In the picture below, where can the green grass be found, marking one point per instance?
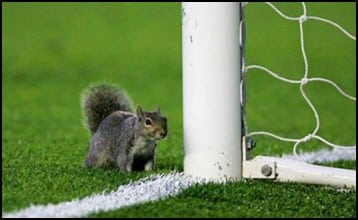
(52, 51)
(247, 199)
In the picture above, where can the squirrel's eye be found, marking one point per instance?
(148, 121)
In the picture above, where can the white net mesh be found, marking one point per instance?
(303, 82)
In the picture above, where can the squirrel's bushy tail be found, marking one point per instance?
(100, 100)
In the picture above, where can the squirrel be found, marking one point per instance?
(120, 137)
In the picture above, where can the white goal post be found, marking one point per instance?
(215, 138)
(211, 80)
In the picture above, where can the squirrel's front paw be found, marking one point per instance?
(149, 166)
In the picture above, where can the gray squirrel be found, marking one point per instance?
(120, 137)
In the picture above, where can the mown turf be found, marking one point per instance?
(52, 51)
(247, 199)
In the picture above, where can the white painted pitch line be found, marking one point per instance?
(148, 189)
(324, 156)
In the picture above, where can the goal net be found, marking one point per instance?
(325, 88)
(303, 82)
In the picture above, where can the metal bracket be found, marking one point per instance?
(250, 168)
(256, 168)
(259, 169)
(242, 82)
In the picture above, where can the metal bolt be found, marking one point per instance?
(250, 143)
(266, 170)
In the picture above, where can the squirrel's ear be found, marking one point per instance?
(140, 113)
(157, 109)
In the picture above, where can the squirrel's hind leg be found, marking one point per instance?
(102, 160)
(124, 163)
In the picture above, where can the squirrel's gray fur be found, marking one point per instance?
(120, 137)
